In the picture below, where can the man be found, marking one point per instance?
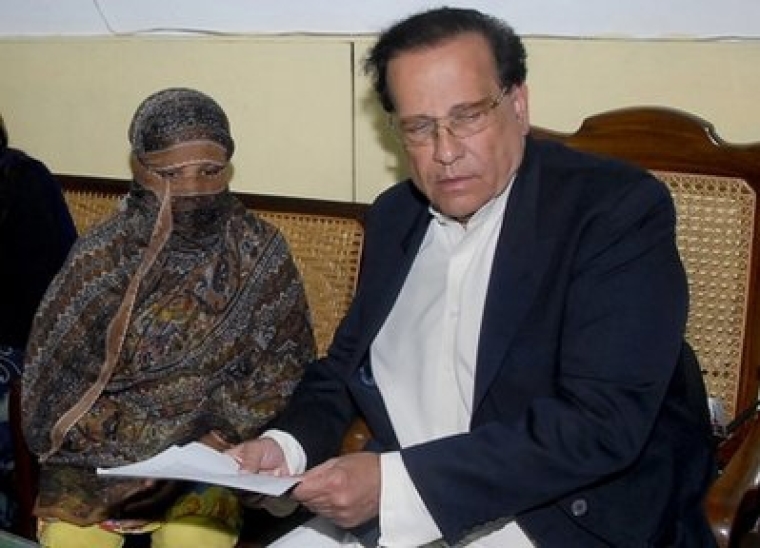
(516, 341)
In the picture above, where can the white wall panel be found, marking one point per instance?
(584, 18)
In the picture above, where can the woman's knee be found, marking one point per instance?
(60, 534)
(194, 531)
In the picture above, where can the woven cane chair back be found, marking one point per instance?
(327, 251)
(716, 224)
(89, 208)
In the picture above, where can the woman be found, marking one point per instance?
(180, 318)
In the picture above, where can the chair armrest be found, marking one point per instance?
(740, 478)
(356, 438)
(25, 464)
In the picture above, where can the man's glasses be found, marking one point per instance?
(464, 121)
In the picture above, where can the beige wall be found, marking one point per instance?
(303, 116)
(70, 101)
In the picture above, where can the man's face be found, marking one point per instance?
(454, 79)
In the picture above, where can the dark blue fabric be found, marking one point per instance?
(36, 233)
(11, 360)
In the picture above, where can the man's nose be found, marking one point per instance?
(447, 148)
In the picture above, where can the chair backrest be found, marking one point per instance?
(327, 249)
(715, 189)
(325, 238)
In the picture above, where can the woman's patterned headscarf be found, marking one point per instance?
(178, 115)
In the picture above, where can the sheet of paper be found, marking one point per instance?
(198, 462)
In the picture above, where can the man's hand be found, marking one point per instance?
(345, 490)
(262, 455)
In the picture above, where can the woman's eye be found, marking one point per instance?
(212, 171)
(168, 174)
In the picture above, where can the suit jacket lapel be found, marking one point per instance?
(518, 266)
(395, 269)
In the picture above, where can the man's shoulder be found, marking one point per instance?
(400, 200)
(395, 213)
(402, 191)
(561, 158)
(570, 170)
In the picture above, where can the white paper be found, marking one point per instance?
(198, 462)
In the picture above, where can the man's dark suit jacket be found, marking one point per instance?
(590, 422)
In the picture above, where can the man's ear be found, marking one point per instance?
(520, 106)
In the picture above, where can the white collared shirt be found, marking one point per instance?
(424, 360)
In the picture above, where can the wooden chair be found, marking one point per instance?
(24, 469)
(325, 238)
(715, 188)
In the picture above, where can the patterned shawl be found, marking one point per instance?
(215, 339)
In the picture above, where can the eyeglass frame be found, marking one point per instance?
(482, 108)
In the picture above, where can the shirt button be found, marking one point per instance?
(579, 507)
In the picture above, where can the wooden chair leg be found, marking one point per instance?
(25, 468)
